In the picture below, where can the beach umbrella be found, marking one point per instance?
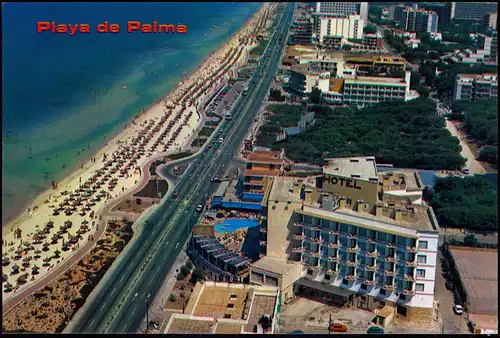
(15, 267)
(68, 224)
(46, 259)
(38, 251)
(50, 224)
(8, 285)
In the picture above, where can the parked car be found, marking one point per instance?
(375, 330)
(337, 327)
(458, 309)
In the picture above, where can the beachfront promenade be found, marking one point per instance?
(86, 197)
(141, 270)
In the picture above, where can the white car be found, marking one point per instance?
(199, 208)
(221, 140)
(458, 309)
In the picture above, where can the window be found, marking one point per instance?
(402, 296)
(419, 287)
(422, 244)
(348, 201)
(327, 277)
(421, 273)
(345, 281)
(309, 272)
(382, 291)
(363, 287)
(421, 259)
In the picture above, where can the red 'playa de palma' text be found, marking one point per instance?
(106, 27)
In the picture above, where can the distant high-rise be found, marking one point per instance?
(344, 8)
(414, 19)
(472, 11)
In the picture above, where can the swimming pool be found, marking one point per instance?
(234, 224)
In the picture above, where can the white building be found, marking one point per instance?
(359, 237)
(350, 27)
(344, 8)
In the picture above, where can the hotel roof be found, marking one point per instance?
(361, 168)
(276, 265)
(377, 80)
(262, 156)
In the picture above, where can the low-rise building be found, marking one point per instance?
(351, 235)
(412, 43)
(259, 165)
(223, 308)
(472, 87)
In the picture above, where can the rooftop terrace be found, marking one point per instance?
(361, 168)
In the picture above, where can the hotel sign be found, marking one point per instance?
(343, 182)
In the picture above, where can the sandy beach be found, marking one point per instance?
(64, 217)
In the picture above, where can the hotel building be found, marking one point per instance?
(351, 235)
(473, 87)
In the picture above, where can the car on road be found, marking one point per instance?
(221, 140)
(221, 130)
(215, 179)
(458, 309)
(466, 171)
(338, 327)
(199, 208)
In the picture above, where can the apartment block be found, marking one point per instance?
(472, 11)
(473, 87)
(351, 235)
(344, 8)
(259, 165)
(332, 25)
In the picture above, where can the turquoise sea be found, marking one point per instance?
(63, 93)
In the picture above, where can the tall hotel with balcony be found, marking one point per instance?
(351, 235)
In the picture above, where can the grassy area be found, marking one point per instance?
(206, 131)
(405, 134)
(259, 50)
(199, 142)
(179, 155)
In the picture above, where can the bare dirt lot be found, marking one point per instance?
(130, 205)
(50, 308)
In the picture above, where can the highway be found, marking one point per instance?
(121, 302)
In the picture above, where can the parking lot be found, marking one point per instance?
(225, 100)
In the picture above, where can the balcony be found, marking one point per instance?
(299, 237)
(370, 267)
(389, 273)
(312, 267)
(332, 272)
(350, 277)
(409, 292)
(389, 287)
(333, 232)
(313, 239)
(298, 249)
(370, 240)
(333, 259)
(351, 263)
(333, 245)
(312, 253)
(390, 259)
(263, 230)
(352, 236)
(297, 224)
(370, 282)
(371, 254)
(353, 249)
(263, 243)
(411, 249)
(412, 263)
(409, 278)
(390, 245)
(313, 227)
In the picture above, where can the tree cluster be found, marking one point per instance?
(405, 134)
(481, 121)
(469, 202)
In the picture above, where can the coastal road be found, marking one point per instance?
(122, 297)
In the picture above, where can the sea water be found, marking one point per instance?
(67, 94)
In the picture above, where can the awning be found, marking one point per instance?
(325, 287)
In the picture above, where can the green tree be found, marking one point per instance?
(489, 154)
(370, 29)
(471, 240)
(189, 265)
(197, 275)
(414, 80)
(316, 95)
(185, 270)
(180, 276)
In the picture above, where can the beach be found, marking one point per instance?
(65, 216)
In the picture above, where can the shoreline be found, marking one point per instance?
(139, 144)
(18, 217)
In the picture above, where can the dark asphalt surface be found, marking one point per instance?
(121, 301)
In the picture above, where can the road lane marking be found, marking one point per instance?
(151, 281)
(146, 242)
(124, 327)
(133, 311)
(92, 322)
(114, 289)
(102, 307)
(122, 278)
